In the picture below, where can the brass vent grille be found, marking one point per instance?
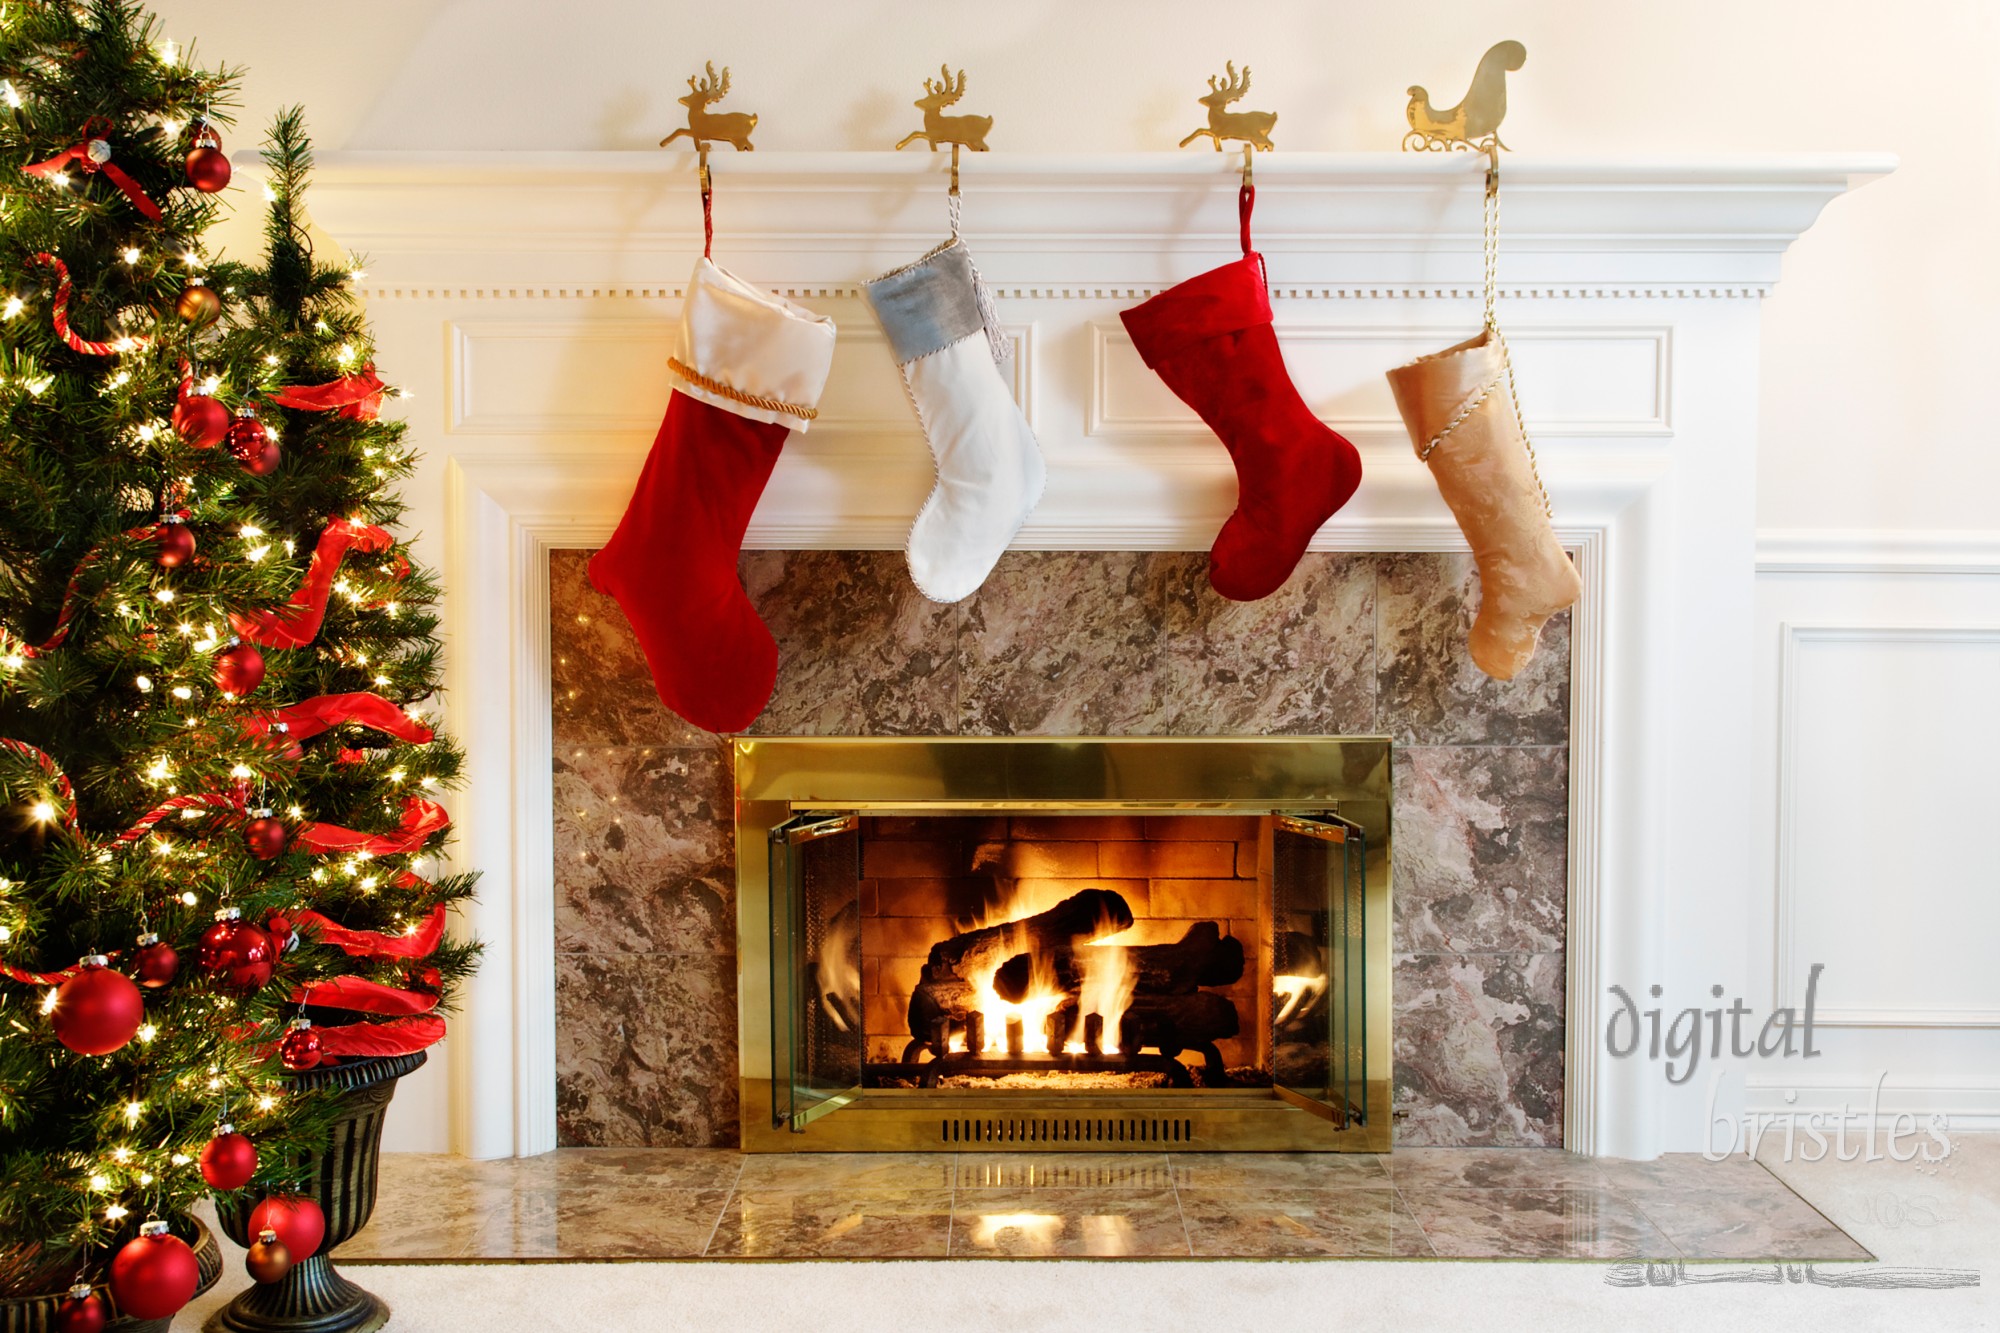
(1067, 1129)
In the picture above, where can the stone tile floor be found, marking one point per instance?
(602, 1203)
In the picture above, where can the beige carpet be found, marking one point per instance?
(1918, 1222)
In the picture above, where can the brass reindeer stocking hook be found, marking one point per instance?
(1251, 128)
(958, 131)
(705, 126)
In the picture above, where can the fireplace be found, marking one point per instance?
(1064, 944)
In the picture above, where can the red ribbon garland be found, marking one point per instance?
(420, 943)
(283, 728)
(92, 154)
(363, 996)
(291, 626)
(421, 818)
(60, 317)
(398, 1036)
(296, 624)
(357, 396)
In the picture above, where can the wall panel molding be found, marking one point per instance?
(1854, 822)
(1877, 551)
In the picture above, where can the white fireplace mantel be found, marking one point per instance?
(528, 301)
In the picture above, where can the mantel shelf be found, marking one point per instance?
(1328, 220)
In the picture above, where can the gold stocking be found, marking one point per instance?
(1458, 406)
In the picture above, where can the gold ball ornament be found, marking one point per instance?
(268, 1260)
(198, 304)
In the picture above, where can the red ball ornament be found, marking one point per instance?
(297, 1220)
(299, 1049)
(208, 170)
(267, 459)
(155, 1274)
(229, 1159)
(247, 436)
(239, 668)
(268, 1260)
(155, 962)
(201, 421)
(207, 166)
(175, 541)
(97, 1010)
(198, 303)
(265, 836)
(238, 954)
(82, 1311)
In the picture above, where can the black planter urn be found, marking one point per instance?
(37, 1314)
(313, 1297)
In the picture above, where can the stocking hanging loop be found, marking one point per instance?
(705, 127)
(707, 206)
(1490, 255)
(1246, 203)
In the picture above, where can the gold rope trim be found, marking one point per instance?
(735, 395)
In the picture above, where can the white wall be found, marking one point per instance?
(1876, 433)
(1876, 411)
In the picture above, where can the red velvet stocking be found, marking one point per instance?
(671, 565)
(1210, 340)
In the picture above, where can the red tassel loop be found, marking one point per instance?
(60, 317)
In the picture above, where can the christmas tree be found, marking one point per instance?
(217, 778)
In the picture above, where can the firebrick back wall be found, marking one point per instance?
(1068, 643)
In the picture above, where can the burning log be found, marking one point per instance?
(1171, 1023)
(1089, 915)
(1202, 957)
(938, 1008)
(1174, 1023)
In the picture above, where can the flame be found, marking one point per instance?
(1107, 988)
(1298, 993)
(1033, 1012)
(1107, 982)
(837, 978)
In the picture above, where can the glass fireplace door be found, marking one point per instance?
(1319, 1030)
(817, 1034)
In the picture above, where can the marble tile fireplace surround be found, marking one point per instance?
(1066, 643)
(528, 301)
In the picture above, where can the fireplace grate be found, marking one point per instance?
(1067, 1129)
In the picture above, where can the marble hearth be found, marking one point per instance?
(1068, 643)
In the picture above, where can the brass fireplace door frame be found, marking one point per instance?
(777, 777)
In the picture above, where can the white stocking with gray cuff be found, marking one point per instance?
(989, 469)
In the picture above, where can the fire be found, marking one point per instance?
(1107, 988)
(1298, 993)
